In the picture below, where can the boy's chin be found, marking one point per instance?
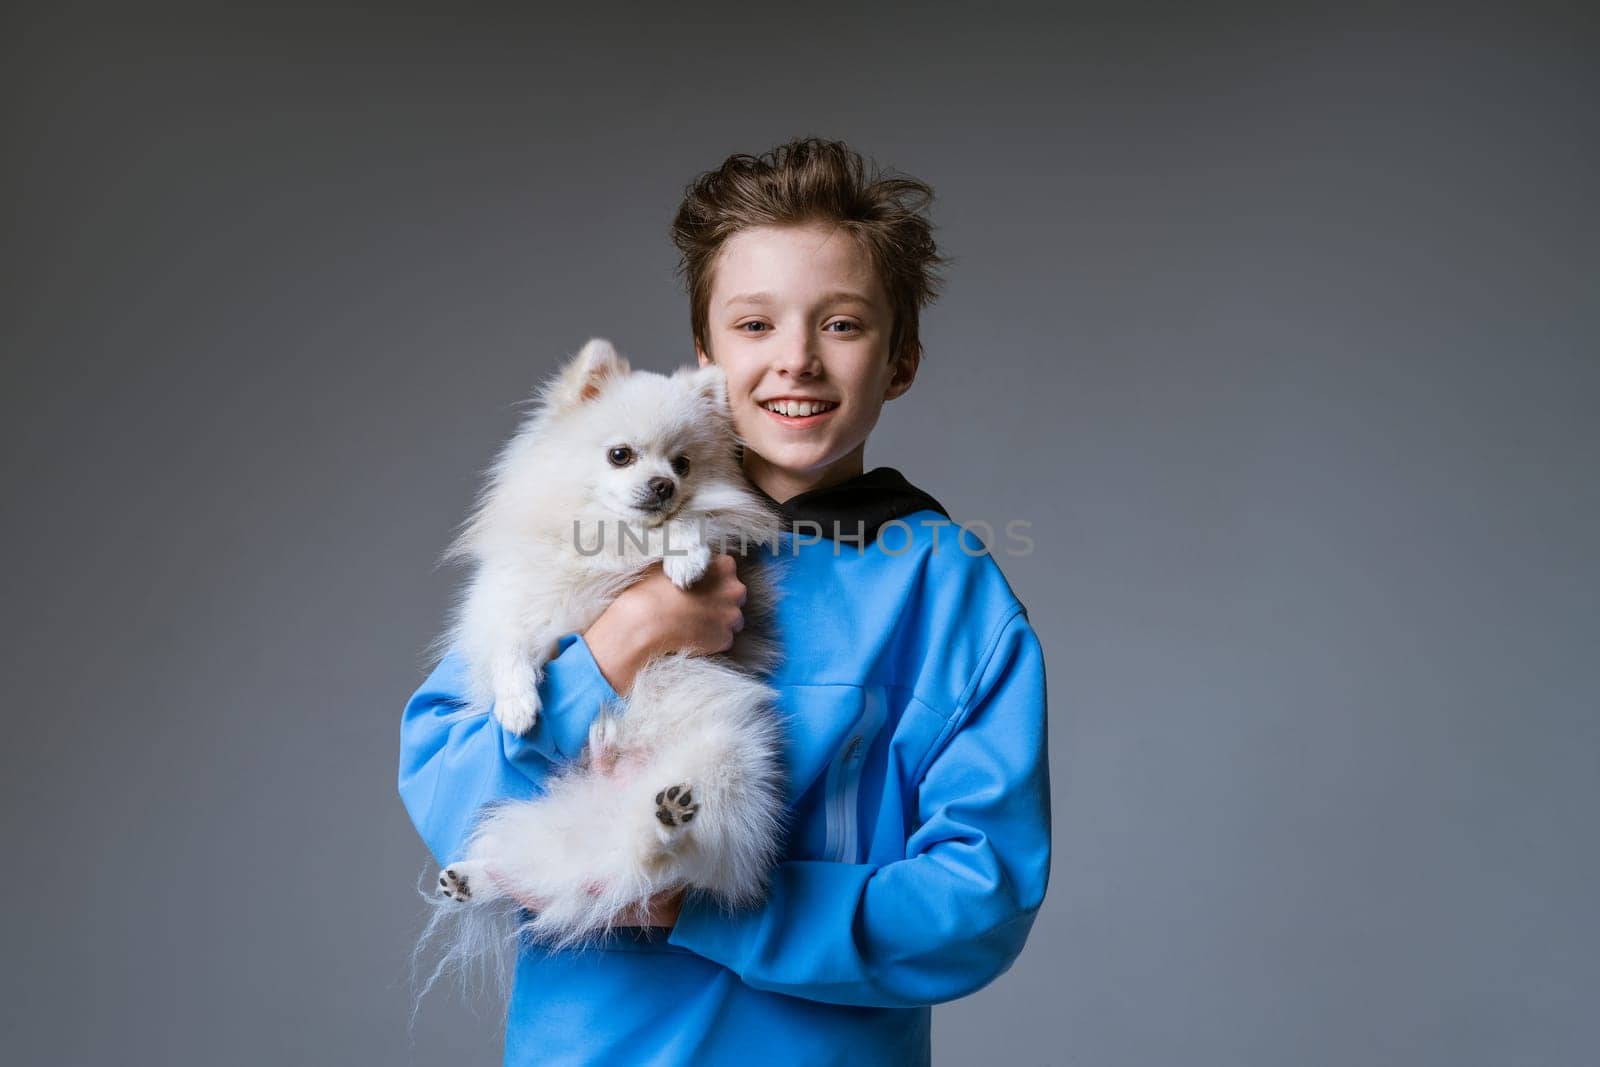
(794, 456)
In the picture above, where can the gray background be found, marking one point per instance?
(1279, 328)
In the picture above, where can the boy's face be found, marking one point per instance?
(798, 313)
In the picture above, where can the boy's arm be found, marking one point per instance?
(950, 917)
(452, 763)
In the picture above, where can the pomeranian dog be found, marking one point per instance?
(681, 786)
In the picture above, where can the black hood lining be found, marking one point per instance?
(859, 507)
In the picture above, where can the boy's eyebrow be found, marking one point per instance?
(828, 298)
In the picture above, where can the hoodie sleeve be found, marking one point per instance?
(953, 914)
(452, 763)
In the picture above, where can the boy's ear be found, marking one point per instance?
(904, 373)
(708, 381)
(587, 374)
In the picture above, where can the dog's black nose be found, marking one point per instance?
(662, 488)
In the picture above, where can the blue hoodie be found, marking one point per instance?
(913, 696)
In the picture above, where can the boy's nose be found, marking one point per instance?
(799, 360)
(662, 488)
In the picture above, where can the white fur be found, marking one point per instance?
(592, 848)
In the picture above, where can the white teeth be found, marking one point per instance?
(798, 408)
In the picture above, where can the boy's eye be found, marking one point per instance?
(848, 326)
(620, 456)
(680, 466)
(743, 326)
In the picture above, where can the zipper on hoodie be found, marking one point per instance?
(844, 779)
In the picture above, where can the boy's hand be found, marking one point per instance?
(653, 616)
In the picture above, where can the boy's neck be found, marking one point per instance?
(782, 485)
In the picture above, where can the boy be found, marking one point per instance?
(912, 688)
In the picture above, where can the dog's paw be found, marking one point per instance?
(675, 806)
(453, 884)
(686, 568)
(518, 711)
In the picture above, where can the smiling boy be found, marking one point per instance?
(801, 325)
(912, 687)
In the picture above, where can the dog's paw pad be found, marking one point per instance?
(675, 806)
(453, 884)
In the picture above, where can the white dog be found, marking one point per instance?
(613, 470)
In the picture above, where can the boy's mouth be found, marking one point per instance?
(799, 412)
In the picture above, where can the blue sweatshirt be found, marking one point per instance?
(913, 697)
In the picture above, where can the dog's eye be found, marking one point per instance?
(620, 456)
(680, 466)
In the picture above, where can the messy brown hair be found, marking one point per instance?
(813, 180)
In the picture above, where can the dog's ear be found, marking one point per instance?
(587, 374)
(708, 382)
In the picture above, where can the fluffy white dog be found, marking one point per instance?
(682, 786)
